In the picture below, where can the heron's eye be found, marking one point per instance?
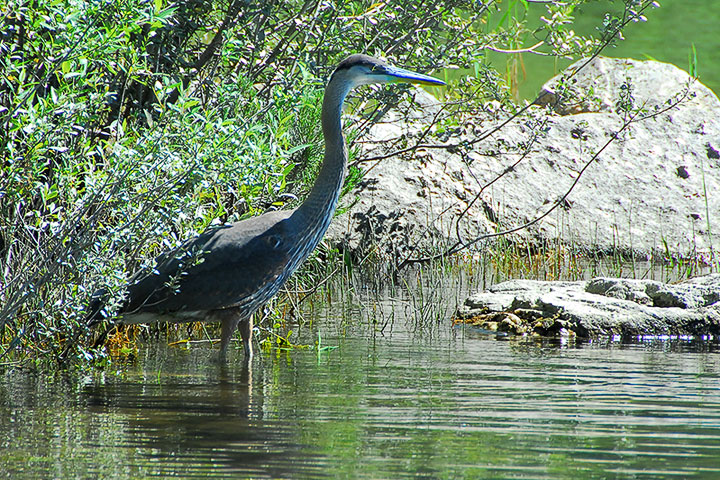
(274, 240)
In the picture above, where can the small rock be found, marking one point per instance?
(712, 152)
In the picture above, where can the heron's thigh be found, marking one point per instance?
(230, 317)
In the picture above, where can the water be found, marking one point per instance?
(669, 35)
(421, 399)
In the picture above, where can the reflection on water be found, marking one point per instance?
(205, 422)
(427, 401)
(180, 414)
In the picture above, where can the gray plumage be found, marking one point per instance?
(228, 272)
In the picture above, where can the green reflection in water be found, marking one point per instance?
(439, 403)
(420, 399)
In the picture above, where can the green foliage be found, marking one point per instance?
(128, 127)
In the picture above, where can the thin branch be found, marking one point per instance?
(520, 50)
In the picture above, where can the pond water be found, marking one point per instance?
(671, 33)
(404, 394)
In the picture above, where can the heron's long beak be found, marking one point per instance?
(406, 76)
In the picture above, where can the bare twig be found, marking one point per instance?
(460, 245)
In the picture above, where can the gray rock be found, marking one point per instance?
(648, 193)
(594, 86)
(599, 307)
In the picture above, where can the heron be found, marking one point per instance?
(228, 272)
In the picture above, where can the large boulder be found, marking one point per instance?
(651, 190)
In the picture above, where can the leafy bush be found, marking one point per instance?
(127, 127)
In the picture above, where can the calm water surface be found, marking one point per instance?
(419, 400)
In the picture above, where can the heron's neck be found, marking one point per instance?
(320, 204)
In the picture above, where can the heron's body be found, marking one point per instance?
(227, 273)
(219, 269)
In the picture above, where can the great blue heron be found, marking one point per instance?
(227, 273)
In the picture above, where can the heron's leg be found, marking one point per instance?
(230, 321)
(246, 327)
(231, 318)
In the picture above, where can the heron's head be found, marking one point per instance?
(363, 70)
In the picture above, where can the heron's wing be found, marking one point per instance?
(223, 267)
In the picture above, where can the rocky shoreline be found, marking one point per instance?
(601, 307)
(645, 190)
